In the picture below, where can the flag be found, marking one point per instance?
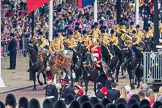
(34, 4)
(84, 3)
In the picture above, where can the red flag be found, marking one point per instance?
(79, 3)
(34, 4)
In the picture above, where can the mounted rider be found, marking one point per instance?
(95, 49)
(56, 44)
(87, 40)
(139, 32)
(43, 41)
(126, 38)
(137, 45)
(77, 35)
(70, 42)
(104, 38)
(95, 32)
(131, 27)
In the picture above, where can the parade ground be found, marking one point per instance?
(17, 81)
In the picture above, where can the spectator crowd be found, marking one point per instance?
(124, 98)
(16, 20)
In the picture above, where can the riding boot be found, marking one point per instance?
(132, 84)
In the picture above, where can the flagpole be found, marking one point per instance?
(137, 12)
(95, 11)
(1, 80)
(50, 20)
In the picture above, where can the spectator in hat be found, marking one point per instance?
(13, 50)
(113, 94)
(51, 91)
(10, 101)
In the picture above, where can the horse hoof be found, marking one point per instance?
(34, 89)
(132, 87)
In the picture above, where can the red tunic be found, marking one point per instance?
(96, 50)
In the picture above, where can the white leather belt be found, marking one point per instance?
(49, 97)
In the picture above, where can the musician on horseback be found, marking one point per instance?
(95, 49)
(131, 27)
(139, 32)
(137, 45)
(60, 36)
(95, 32)
(104, 38)
(56, 44)
(77, 35)
(87, 41)
(126, 38)
(42, 42)
(70, 42)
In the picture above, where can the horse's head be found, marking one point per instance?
(88, 58)
(81, 49)
(126, 52)
(29, 49)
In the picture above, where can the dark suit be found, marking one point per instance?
(51, 92)
(113, 94)
(12, 49)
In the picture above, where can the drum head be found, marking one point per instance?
(67, 53)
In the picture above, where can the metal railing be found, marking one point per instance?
(152, 67)
(21, 46)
